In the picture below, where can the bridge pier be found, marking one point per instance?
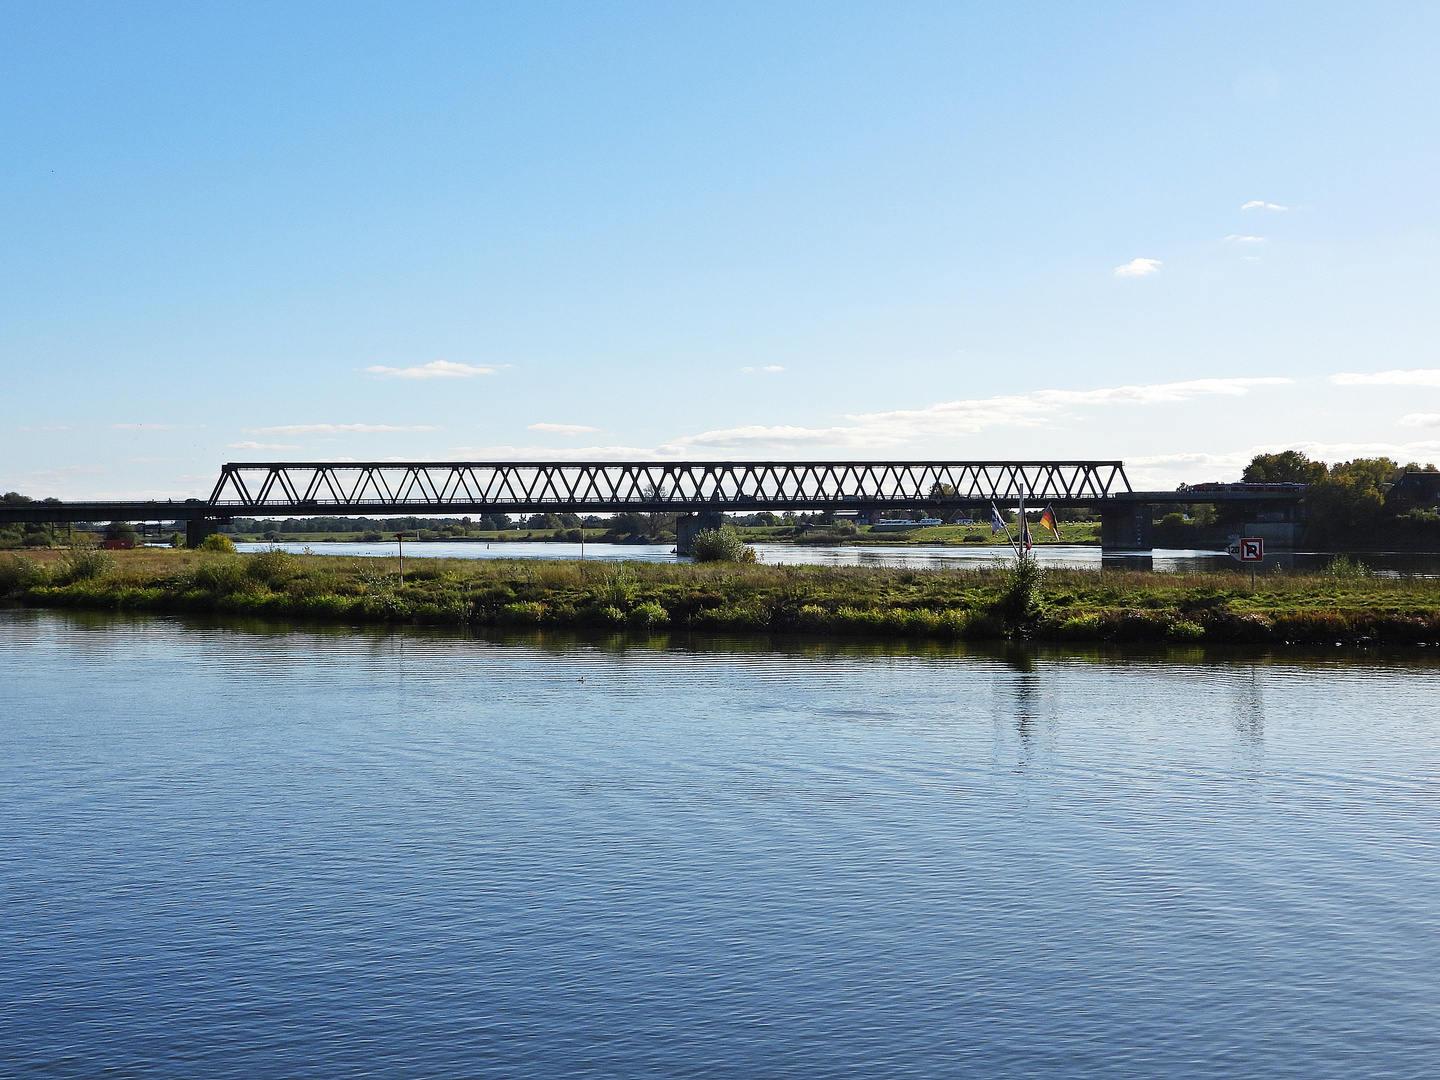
(687, 526)
(198, 528)
(1126, 526)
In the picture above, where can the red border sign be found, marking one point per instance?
(1252, 549)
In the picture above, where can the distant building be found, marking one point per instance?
(1417, 489)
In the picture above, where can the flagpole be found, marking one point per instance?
(995, 516)
(1024, 524)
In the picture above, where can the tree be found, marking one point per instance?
(120, 530)
(628, 523)
(721, 545)
(1286, 467)
(1351, 497)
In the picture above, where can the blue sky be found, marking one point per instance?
(1168, 234)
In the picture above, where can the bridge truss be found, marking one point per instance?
(652, 487)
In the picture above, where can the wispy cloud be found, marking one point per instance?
(1138, 268)
(1261, 204)
(50, 427)
(1421, 419)
(1237, 238)
(334, 429)
(1394, 377)
(769, 369)
(436, 369)
(562, 429)
(550, 453)
(142, 427)
(951, 419)
(261, 446)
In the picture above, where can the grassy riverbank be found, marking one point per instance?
(1061, 605)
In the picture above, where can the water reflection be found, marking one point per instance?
(1247, 700)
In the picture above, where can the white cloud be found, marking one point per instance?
(757, 437)
(550, 453)
(51, 427)
(769, 368)
(334, 429)
(1261, 204)
(772, 367)
(562, 429)
(260, 446)
(1158, 393)
(1421, 419)
(1138, 268)
(952, 419)
(1395, 377)
(1237, 238)
(436, 369)
(142, 427)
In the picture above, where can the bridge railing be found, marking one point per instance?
(655, 486)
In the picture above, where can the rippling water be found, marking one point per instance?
(233, 852)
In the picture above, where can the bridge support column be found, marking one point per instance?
(690, 524)
(199, 528)
(1126, 527)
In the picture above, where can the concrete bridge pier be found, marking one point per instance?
(1126, 526)
(197, 529)
(690, 524)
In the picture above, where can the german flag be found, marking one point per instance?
(1047, 519)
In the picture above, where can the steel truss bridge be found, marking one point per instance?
(701, 490)
(652, 487)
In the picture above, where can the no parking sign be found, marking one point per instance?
(1252, 549)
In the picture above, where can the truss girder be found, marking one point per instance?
(609, 487)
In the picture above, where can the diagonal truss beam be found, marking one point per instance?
(655, 487)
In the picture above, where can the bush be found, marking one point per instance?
(18, 573)
(1020, 597)
(1342, 566)
(272, 566)
(648, 615)
(526, 612)
(217, 542)
(83, 565)
(721, 545)
(222, 578)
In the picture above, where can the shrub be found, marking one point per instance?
(812, 617)
(18, 573)
(272, 566)
(83, 565)
(1019, 598)
(648, 615)
(721, 545)
(222, 578)
(1342, 566)
(217, 542)
(527, 612)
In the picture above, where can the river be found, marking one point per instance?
(916, 557)
(239, 850)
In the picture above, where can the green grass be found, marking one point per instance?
(1066, 605)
